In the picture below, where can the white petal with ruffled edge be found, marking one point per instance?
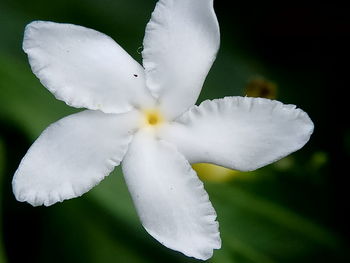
(239, 132)
(85, 68)
(72, 155)
(170, 199)
(180, 45)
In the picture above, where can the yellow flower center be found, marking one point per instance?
(152, 117)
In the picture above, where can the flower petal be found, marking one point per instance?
(170, 199)
(84, 68)
(73, 155)
(239, 132)
(180, 45)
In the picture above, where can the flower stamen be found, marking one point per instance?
(153, 117)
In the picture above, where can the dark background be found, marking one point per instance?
(291, 211)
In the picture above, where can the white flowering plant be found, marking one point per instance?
(145, 118)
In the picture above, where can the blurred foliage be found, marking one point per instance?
(260, 87)
(2, 161)
(284, 212)
(213, 173)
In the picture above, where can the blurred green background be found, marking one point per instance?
(290, 211)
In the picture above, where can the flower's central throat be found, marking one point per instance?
(152, 117)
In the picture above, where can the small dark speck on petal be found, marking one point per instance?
(135, 75)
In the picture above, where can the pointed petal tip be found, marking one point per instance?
(39, 198)
(200, 252)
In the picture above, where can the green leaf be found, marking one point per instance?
(2, 165)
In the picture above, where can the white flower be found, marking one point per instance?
(145, 118)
